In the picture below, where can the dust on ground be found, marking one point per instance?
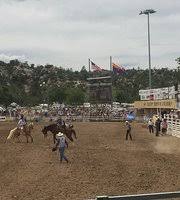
(102, 162)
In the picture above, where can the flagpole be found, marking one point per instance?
(89, 62)
(110, 63)
(111, 80)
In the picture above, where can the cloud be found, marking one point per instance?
(69, 32)
(7, 58)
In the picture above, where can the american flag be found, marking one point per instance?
(96, 68)
(117, 69)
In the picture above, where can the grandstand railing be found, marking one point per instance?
(74, 118)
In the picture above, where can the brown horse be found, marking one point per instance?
(54, 129)
(26, 131)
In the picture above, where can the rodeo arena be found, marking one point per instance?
(99, 150)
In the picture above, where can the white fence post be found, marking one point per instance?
(173, 126)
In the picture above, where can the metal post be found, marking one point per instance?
(89, 62)
(150, 196)
(148, 12)
(149, 52)
(110, 63)
(111, 79)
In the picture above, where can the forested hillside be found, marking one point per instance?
(30, 85)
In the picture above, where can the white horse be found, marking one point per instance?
(26, 131)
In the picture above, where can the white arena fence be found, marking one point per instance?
(173, 125)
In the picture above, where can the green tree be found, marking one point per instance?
(84, 73)
(5, 96)
(56, 94)
(178, 61)
(75, 96)
(66, 85)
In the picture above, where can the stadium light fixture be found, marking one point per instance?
(148, 12)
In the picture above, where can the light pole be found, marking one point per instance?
(42, 85)
(148, 12)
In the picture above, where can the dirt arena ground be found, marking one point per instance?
(101, 163)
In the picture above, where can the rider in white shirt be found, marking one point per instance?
(22, 122)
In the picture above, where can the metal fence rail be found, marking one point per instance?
(79, 118)
(163, 195)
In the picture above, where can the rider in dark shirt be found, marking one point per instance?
(61, 123)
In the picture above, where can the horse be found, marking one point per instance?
(26, 131)
(54, 129)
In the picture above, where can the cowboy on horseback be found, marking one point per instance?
(68, 121)
(61, 123)
(22, 123)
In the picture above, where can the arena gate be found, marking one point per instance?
(173, 125)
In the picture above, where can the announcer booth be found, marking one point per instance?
(100, 90)
(158, 101)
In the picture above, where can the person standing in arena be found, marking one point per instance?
(158, 126)
(128, 130)
(150, 126)
(164, 126)
(61, 143)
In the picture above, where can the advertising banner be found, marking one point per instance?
(171, 104)
(158, 94)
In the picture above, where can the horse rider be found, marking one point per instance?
(22, 123)
(68, 119)
(61, 143)
(61, 123)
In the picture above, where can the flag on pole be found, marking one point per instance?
(117, 69)
(95, 68)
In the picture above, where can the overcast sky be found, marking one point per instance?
(68, 32)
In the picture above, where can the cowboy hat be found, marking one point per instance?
(60, 134)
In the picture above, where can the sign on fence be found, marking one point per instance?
(156, 104)
(2, 118)
(158, 94)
